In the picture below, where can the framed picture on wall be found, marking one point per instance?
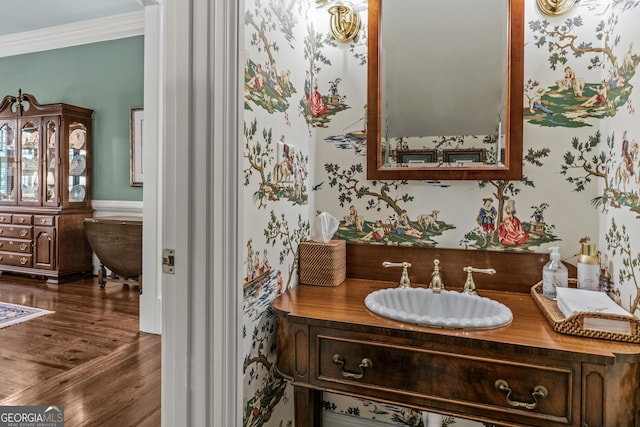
(136, 121)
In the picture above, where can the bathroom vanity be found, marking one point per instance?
(522, 374)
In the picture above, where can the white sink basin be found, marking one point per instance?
(448, 309)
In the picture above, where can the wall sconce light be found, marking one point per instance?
(555, 7)
(345, 21)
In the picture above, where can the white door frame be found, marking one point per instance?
(151, 298)
(201, 380)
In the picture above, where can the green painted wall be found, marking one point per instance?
(106, 77)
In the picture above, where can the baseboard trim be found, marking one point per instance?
(336, 419)
(116, 207)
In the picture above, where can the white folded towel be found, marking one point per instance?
(571, 300)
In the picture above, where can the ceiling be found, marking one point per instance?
(28, 15)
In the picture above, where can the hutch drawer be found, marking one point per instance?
(17, 245)
(17, 231)
(18, 260)
(5, 218)
(22, 219)
(43, 220)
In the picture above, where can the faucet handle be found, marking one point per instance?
(404, 279)
(469, 285)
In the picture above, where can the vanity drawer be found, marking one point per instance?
(22, 219)
(11, 245)
(454, 383)
(477, 381)
(17, 231)
(20, 260)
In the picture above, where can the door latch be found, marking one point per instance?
(168, 261)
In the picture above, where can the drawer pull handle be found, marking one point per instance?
(23, 247)
(21, 220)
(23, 260)
(43, 221)
(365, 363)
(538, 392)
(23, 233)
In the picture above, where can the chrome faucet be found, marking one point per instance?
(469, 285)
(436, 281)
(404, 279)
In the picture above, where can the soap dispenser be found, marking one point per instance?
(554, 274)
(588, 266)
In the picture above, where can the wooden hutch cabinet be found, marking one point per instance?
(45, 188)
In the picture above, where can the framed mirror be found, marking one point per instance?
(445, 89)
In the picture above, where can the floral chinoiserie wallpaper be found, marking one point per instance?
(304, 152)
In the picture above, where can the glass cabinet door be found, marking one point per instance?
(7, 162)
(77, 162)
(29, 162)
(51, 163)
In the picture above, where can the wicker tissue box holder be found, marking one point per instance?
(323, 264)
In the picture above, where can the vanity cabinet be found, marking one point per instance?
(523, 374)
(45, 187)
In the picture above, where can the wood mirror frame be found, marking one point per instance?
(512, 169)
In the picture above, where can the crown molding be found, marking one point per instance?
(74, 34)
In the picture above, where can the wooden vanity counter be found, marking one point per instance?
(326, 333)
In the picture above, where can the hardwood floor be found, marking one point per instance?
(88, 356)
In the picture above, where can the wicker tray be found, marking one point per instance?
(574, 324)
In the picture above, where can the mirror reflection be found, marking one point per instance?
(440, 102)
